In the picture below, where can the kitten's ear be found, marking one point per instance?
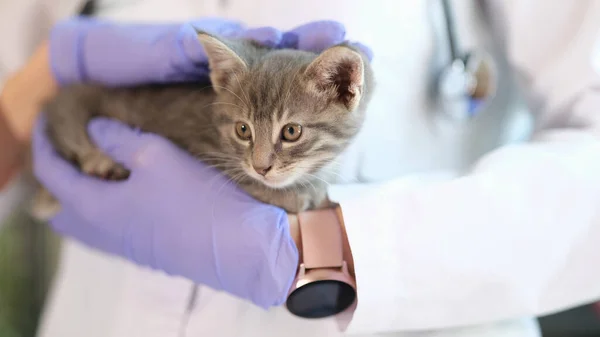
(223, 62)
(338, 73)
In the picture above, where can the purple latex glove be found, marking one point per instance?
(173, 213)
(84, 49)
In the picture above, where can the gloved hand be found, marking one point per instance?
(84, 49)
(173, 213)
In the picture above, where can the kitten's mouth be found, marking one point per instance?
(271, 179)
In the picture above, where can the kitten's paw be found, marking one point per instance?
(98, 164)
(44, 206)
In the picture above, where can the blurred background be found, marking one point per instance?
(28, 256)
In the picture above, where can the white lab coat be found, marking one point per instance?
(454, 228)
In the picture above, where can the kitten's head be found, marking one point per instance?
(289, 113)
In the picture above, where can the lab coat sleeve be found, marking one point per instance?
(520, 234)
(24, 24)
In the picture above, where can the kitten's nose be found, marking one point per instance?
(262, 170)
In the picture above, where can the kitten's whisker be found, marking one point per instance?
(225, 103)
(291, 85)
(343, 178)
(214, 156)
(218, 153)
(204, 156)
(237, 171)
(229, 180)
(209, 86)
(219, 163)
(328, 172)
(231, 171)
(234, 94)
(311, 184)
(242, 89)
(289, 88)
(333, 161)
(317, 177)
(207, 126)
(211, 125)
(238, 178)
(221, 167)
(300, 182)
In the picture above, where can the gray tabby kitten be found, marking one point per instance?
(274, 120)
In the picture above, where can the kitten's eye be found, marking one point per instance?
(291, 132)
(243, 131)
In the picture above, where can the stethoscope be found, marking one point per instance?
(468, 83)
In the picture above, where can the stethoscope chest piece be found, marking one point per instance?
(467, 85)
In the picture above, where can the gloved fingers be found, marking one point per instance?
(364, 49)
(119, 141)
(67, 223)
(218, 26)
(72, 224)
(314, 36)
(132, 53)
(267, 36)
(194, 52)
(60, 224)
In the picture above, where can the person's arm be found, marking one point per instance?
(519, 235)
(20, 99)
(10, 151)
(24, 25)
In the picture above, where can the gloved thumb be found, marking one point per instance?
(118, 140)
(364, 49)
